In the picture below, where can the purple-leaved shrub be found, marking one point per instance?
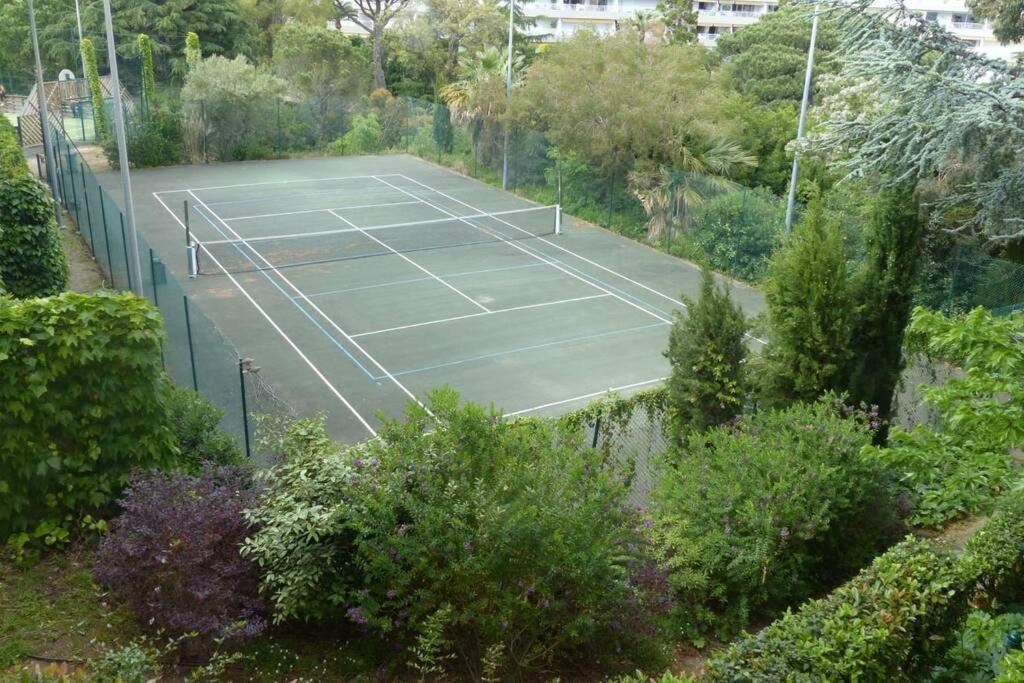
(173, 555)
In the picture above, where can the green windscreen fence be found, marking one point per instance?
(195, 353)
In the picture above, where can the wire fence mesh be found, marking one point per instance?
(196, 354)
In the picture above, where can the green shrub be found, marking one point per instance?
(461, 536)
(443, 132)
(980, 647)
(156, 141)
(81, 385)
(363, 138)
(887, 623)
(195, 425)
(994, 555)
(12, 161)
(32, 260)
(738, 231)
(707, 351)
(756, 516)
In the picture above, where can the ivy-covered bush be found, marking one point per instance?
(173, 555)
(12, 161)
(960, 466)
(81, 385)
(758, 515)
(887, 623)
(462, 536)
(195, 426)
(32, 260)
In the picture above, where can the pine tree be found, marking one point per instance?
(707, 352)
(883, 294)
(811, 313)
(444, 134)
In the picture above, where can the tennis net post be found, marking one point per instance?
(558, 219)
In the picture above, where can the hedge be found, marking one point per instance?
(12, 161)
(32, 259)
(82, 394)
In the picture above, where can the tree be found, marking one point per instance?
(321, 66)
(767, 59)
(674, 102)
(373, 16)
(680, 20)
(707, 352)
(145, 47)
(32, 260)
(883, 291)
(444, 134)
(193, 53)
(810, 311)
(479, 96)
(669, 195)
(92, 76)
(947, 115)
(1007, 17)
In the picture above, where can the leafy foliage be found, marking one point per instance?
(458, 527)
(12, 161)
(145, 48)
(81, 381)
(811, 311)
(738, 231)
(195, 425)
(878, 626)
(757, 516)
(706, 350)
(32, 260)
(363, 138)
(92, 76)
(444, 134)
(173, 555)
(958, 467)
(980, 647)
(158, 140)
(883, 291)
(1007, 16)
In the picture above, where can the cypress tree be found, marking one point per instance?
(707, 352)
(92, 76)
(444, 134)
(148, 79)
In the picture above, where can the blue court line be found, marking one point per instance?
(534, 347)
(423, 279)
(306, 313)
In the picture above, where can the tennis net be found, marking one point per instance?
(273, 252)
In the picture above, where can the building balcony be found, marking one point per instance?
(707, 38)
(732, 17)
(573, 11)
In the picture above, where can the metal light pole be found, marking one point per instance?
(81, 57)
(122, 155)
(803, 120)
(508, 96)
(44, 119)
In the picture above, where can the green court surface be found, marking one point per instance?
(357, 284)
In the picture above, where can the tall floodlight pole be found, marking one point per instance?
(508, 96)
(78, 17)
(44, 120)
(790, 205)
(122, 155)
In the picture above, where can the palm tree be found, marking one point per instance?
(668, 194)
(642, 22)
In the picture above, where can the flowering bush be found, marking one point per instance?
(757, 515)
(173, 555)
(460, 536)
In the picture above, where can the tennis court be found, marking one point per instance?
(360, 283)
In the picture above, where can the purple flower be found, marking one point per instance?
(392, 592)
(356, 615)
(544, 602)
(357, 463)
(468, 545)
(647, 523)
(784, 532)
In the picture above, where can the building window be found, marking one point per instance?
(931, 16)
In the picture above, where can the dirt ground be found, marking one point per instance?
(86, 275)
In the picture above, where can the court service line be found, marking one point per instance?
(413, 263)
(524, 349)
(568, 251)
(288, 340)
(316, 308)
(394, 283)
(536, 255)
(304, 211)
(278, 182)
(476, 315)
(583, 397)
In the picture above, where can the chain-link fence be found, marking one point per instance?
(196, 355)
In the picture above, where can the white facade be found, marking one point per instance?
(558, 19)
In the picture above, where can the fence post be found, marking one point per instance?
(152, 277)
(88, 211)
(278, 150)
(124, 246)
(106, 238)
(245, 407)
(611, 193)
(202, 109)
(597, 431)
(74, 191)
(17, 125)
(191, 349)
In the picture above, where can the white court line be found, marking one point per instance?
(333, 208)
(380, 226)
(476, 315)
(414, 264)
(316, 308)
(586, 396)
(281, 332)
(571, 252)
(278, 182)
(553, 264)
